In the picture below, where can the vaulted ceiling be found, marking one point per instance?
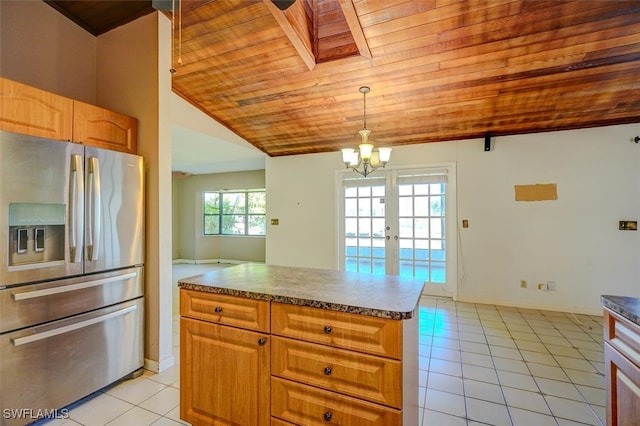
(287, 81)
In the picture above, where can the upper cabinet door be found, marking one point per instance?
(102, 128)
(27, 110)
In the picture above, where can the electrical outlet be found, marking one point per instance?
(523, 284)
(551, 285)
(543, 286)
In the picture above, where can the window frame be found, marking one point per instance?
(220, 215)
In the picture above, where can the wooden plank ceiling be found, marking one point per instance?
(439, 70)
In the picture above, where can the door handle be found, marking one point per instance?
(95, 208)
(76, 208)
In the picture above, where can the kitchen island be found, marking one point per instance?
(264, 344)
(622, 359)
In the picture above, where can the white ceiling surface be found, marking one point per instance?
(196, 153)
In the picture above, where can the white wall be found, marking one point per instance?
(42, 48)
(574, 241)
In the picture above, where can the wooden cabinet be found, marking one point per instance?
(342, 368)
(224, 370)
(102, 128)
(246, 361)
(28, 110)
(622, 369)
(309, 406)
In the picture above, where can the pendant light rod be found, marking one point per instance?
(364, 90)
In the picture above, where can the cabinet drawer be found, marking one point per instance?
(623, 335)
(306, 405)
(373, 378)
(241, 312)
(362, 333)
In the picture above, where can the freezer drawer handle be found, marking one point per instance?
(71, 327)
(73, 287)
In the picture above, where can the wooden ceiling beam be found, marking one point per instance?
(298, 35)
(353, 22)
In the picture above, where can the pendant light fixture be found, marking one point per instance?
(367, 159)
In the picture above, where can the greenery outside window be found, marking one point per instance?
(241, 212)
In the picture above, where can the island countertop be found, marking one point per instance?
(627, 307)
(383, 296)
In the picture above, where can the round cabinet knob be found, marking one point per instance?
(262, 341)
(218, 309)
(328, 371)
(328, 329)
(327, 416)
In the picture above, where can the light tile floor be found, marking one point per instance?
(479, 365)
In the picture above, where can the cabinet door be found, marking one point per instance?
(623, 388)
(224, 375)
(30, 111)
(102, 128)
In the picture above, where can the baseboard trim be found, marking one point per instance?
(159, 367)
(554, 308)
(208, 261)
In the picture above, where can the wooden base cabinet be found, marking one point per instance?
(225, 360)
(254, 362)
(225, 375)
(622, 369)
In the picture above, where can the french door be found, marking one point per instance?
(402, 222)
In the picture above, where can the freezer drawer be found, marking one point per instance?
(50, 366)
(27, 305)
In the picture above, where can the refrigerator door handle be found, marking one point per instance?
(73, 287)
(95, 209)
(71, 327)
(76, 207)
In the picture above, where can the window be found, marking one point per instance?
(235, 212)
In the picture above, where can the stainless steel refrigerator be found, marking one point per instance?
(71, 273)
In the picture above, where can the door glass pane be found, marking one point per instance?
(421, 249)
(405, 190)
(350, 206)
(421, 229)
(406, 248)
(364, 227)
(364, 206)
(437, 206)
(377, 227)
(377, 207)
(406, 227)
(405, 207)
(421, 206)
(365, 218)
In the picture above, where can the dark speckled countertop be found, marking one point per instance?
(384, 296)
(627, 307)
